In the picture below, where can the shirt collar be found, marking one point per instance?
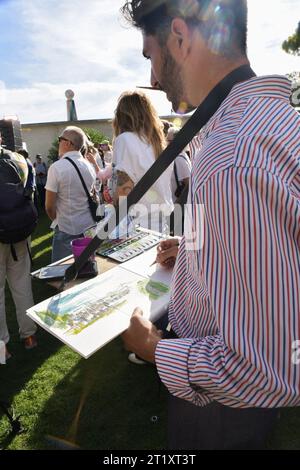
(73, 153)
(272, 86)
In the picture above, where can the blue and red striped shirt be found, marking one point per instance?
(235, 302)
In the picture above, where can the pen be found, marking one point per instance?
(165, 262)
(155, 261)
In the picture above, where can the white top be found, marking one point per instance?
(108, 156)
(72, 210)
(134, 156)
(99, 160)
(41, 172)
(183, 168)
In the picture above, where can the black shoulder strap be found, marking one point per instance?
(176, 175)
(80, 176)
(200, 117)
(185, 157)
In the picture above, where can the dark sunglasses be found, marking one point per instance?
(66, 140)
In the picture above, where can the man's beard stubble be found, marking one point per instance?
(172, 84)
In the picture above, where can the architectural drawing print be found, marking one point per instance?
(76, 317)
(75, 311)
(89, 315)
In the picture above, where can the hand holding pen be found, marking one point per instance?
(167, 252)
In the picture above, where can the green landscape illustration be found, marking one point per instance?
(76, 311)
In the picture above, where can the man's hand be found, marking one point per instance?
(167, 252)
(142, 336)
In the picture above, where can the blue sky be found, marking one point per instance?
(48, 46)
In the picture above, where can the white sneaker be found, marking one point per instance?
(135, 360)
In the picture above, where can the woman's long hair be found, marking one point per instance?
(135, 113)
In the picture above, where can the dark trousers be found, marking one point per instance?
(42, 194)
(217, 427)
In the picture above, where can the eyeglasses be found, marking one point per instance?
(66, 140)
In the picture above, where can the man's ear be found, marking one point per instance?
(180, 39)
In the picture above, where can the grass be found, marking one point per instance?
(103, 403)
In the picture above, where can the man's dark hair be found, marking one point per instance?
(223, 22)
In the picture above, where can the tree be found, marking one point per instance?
(295, 95)
(53, 152)
(292, 44)
(94, 135)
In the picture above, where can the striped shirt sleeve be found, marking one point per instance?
(249, 270)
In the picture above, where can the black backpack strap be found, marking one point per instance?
(80, 176)
(29, 253)
(176, 175)
(13, 252)
(200, 117)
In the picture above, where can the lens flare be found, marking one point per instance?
(183, 108)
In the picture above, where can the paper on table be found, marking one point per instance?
(143, 265)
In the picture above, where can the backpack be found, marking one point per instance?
(18, 215)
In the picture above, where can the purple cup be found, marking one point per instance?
(79, 244)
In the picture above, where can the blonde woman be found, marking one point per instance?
(139, 140)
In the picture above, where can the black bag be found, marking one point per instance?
(94, 202)
(93, 199)
(179, 184)
(18, 215)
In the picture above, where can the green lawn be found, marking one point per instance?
(104, 402)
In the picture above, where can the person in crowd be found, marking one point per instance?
(107, 151)
(96, 157)
(167, 125)
(234, 311)
(104, 173)
(41, 178)
(182, 169)
(30, 188)
(138, 142)
(66, 201)
(15, 263)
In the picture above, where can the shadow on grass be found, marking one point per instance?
(23, 364)
(104, 403)
(41, 248)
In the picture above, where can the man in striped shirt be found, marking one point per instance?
(235, 304)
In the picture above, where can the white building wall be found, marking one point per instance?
(40, 137)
